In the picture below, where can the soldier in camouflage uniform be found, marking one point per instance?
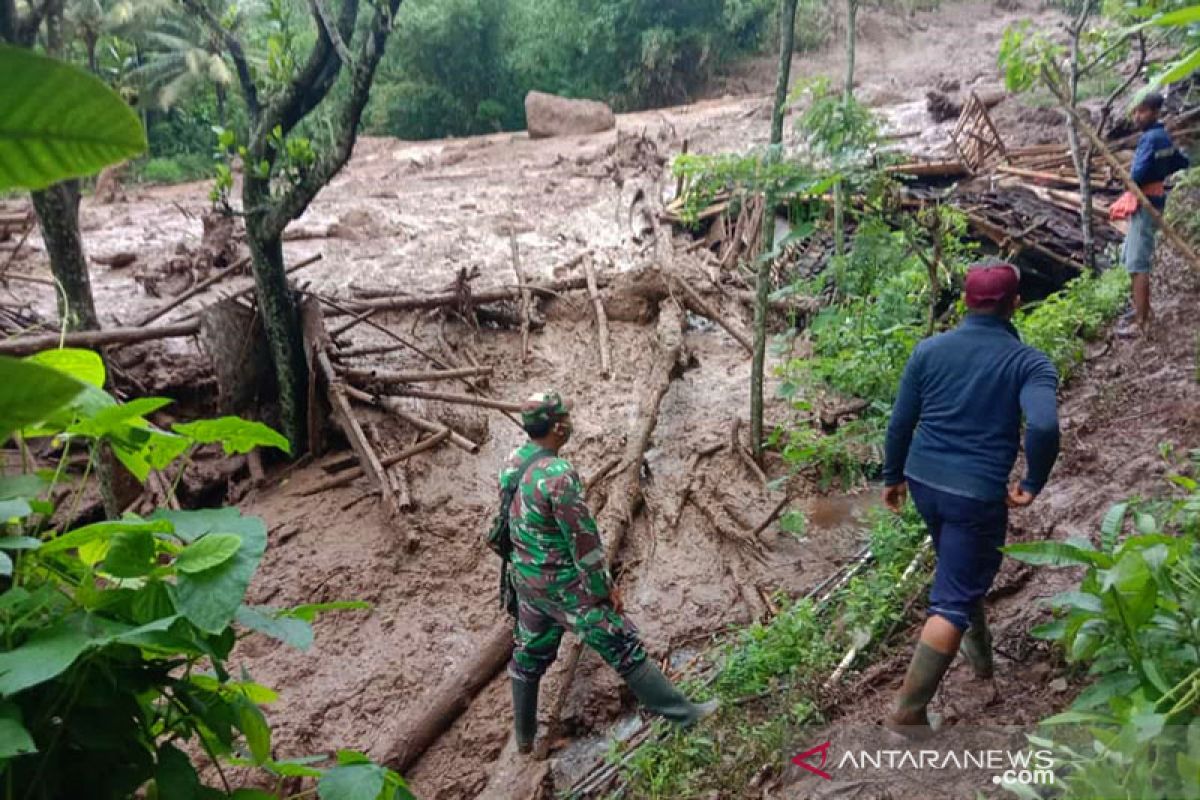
(558, 570)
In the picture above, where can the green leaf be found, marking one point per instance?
(1148, 725)
(47, 653)
(175, 776)
(1145, 523)
(59, 122)
(252, 724)
(351, 782)
(17, 508)
(209, 551)
(1183, 16)
(1074, 599)
(235, 434)
(1054, 554)
(19, 543)
(210, 599)
(103, 531)
(27, 486)
(1114, 684)
(1076, 717)
(290, 630)
(14, 739)
(1110, 526)
(30, 393)
(295, 767)
(116, 419)
(309, 611)
(1179, 70)
(130, 554)
(84, 366)
(6, 565)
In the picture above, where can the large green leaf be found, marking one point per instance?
(211, 598)
(235, 434)
(211, 550)
(46, 654)
(103, 530)
(352, 782)
(14, 739)
(1179, 70)
(59, 122)
(1182, 16)
(130, 554)
(309, 611)
(30, 392)
(84, 366)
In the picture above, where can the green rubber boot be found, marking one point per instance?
(976, 644)
(525, 701)
(654, 691)
(909, 717)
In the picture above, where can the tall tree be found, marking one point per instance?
(787, 42)
(276, 189)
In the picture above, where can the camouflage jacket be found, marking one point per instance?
(557, 551)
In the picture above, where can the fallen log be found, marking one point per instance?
(350, 475)
(389, 377)
(601, 317)
(526, 297)
(461, 399)
(1049, 177)
(316, 340)
(368, 350)
(393, 406)
(453, 299)
(929, 169)
(92, 339)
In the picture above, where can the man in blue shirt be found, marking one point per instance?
(952, 441)
(1155, 159)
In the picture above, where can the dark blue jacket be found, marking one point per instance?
(963, 394)
(1156, 158)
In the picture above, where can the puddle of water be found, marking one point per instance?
(838, 514)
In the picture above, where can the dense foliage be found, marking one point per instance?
(116, 636)
(1134, 623)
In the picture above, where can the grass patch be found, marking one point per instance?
(769, 676)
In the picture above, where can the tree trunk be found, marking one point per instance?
(1081, 160)
(787, 41)
(58, 213)
(281, 321)
(852, 15)
(762, 289)
(221, 114)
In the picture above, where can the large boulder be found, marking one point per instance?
(549, 115)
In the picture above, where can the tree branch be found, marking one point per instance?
(236, 52)
(325, 23)
(1106, 110)
(370, 53)
(314, 80)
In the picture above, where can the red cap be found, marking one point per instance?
(990, 283)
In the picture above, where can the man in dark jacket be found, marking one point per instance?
(1155, 159)
(952, 442)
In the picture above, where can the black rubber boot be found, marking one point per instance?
(909, 717)
(976, 645)
(525, 701)
(659, 695)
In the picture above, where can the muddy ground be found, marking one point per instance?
(410, 216)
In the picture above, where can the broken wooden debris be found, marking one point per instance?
(348, 476)
(396, 408)
(316, 340)
(975, 136)
(460, 399)
(183, 297)
(698, 305)
(593, 288)
(25, 345)
(388, 377)
(299, 265)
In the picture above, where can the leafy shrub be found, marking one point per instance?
(175, 169)
(1134, 620)
(1060, 325)
(115, 636)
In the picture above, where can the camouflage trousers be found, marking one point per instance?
(539, 629)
